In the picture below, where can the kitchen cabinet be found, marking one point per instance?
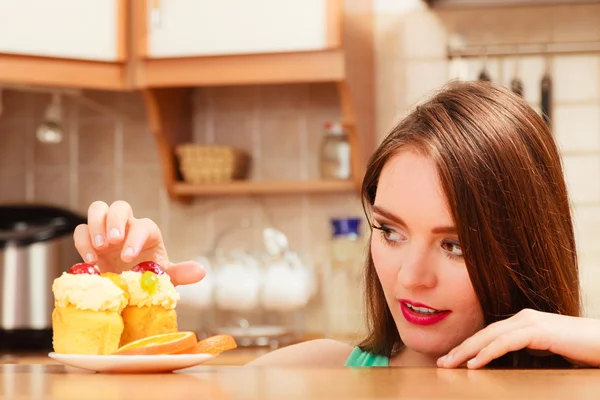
(186, 28)
(230, 42)
(85, 30)
(75, 43)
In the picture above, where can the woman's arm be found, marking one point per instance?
(319, 353)
(575, 338)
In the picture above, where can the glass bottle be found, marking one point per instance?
(335, 153)
(343, 284)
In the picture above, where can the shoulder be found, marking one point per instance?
(320, 352)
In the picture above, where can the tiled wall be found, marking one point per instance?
(411, 59)
(108, 154)
(111, 155)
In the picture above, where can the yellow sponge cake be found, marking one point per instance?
(87, 311)
(152, 300)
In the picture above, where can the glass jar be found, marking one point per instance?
(335, 153)
(344, 288)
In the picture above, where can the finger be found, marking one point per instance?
(471, 346)
(97, 223)
(512, 341)
(119, 214)
(143, 233)
(81, 238)
(186, 273)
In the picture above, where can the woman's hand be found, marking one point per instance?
(116, 241)
(576, 339)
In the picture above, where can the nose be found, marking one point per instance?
(417, 269)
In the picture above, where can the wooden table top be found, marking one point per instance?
(47, 381)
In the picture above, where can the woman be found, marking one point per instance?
(473, 257)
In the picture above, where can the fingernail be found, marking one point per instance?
(114, 233)
(472, 360)
(128, 252)
(99, 240)
(89, 257)
(443, 359)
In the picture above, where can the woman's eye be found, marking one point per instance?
(392, 236)
(389, 235)
(453, 248)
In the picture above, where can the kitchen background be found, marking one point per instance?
(108, 152)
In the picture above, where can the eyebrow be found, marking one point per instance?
(392, 217)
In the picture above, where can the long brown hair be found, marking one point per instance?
(501, 173)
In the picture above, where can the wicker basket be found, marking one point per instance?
(211, 164)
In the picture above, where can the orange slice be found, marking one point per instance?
(166, 343)
(212, 345)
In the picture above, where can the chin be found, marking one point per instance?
(426, 340)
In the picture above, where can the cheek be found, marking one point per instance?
(386, 263)
(465, 300)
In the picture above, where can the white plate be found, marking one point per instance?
(131, 364)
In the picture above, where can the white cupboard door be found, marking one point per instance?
(180, 28)
(73, 29)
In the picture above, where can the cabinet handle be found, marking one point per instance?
(155, 13)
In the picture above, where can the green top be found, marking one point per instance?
(359, 358)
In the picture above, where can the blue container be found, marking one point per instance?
(344, 227)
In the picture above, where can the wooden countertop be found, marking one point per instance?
(31, 381)
(239, 356)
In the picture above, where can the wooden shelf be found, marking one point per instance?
(297, 67)
(26, 70)
(236, 188)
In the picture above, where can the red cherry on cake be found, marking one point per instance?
(149, 266)
(83, 268)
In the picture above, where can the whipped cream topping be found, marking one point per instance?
(88, 292)
(165, 295)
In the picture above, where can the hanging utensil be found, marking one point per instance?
(484, 74)
(516, 84)
(546, 86)
(50, 130)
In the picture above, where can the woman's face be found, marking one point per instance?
(418, 258)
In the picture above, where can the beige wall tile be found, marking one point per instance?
(95, 183)
(52, 154)
(139, 146)
(424, 35)
(96, 142)
(106, 99)
(52, 186)
(423, 78)
(574, 23)
(234, 130)
(13, 139)
(131, 105)
(586, 220)
(228, 214)
(187, 233)
(578, 170)
(233, 99)
(283, 99)
(141, 186)
(590, 284)
(287, 214)
(576, 78)
(17, 104)
(279, 148)
(577, 127)
(12, 185)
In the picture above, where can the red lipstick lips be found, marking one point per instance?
(421, 314)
